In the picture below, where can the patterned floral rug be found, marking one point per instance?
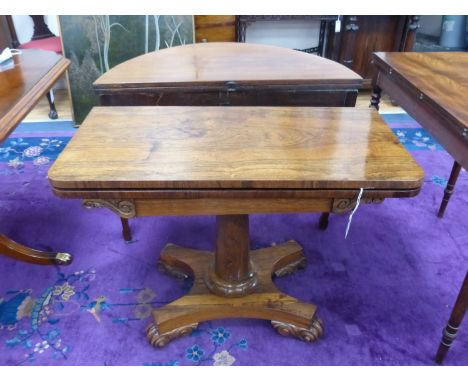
(384, 294)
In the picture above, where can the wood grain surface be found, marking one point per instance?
(211, 28)
(439, 76)
(218, 62)
(21, 87)
(151, 148)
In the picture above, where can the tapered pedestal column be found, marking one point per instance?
(233, 282)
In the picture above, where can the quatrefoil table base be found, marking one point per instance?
(233, 282)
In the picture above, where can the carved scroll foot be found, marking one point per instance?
(291, 267)
(264, 302)
(310, 334)
(159, 340)
(173, 270)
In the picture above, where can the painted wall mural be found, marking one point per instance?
(94, 44)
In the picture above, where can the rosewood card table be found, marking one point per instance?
(31, 75)
(433, 89)
(232, 162)
(228, 74)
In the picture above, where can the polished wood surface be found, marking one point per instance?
(232, 161)
(234, 148)
(432, 88)
(215, 28)
(21, 87)
(233, 282)
(228, 75)
(33, 74)
(216, 63)
(21, 252)
(440, 77)
(232, 253)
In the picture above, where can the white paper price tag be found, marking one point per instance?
(338, 26)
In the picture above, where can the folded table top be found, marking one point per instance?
(243, 148)
(216, 63)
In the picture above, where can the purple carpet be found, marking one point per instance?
(384, 294)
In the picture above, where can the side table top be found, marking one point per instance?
(218, 63)
(153, 148)
(440, 77)
(33, 72)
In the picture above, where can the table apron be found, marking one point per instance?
(292, 96)
(226, 206)
(448, 133)
(229, 206)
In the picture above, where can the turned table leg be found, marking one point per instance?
(458, 312)
(323, 222)
(233, 282)
(126, 231)
(20, 252)
(449, 189)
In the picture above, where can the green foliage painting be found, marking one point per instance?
(94, 44)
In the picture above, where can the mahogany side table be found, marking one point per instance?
(432, 88)
(232, 162)
(33, 73)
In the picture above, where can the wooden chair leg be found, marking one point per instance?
(449, 189)
(450, 331)
(53, 111)
(126, 231)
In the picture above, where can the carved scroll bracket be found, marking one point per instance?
(159, 340)
(310, 334)
(123, 208)
(346, 205)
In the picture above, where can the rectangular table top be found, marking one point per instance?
(441, 77)
(32, 74)
(153, 148)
